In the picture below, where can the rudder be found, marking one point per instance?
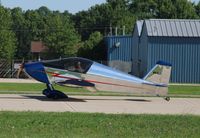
(160, 73)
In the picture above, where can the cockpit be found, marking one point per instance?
(74, 64)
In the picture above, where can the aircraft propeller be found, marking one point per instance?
(21, 67)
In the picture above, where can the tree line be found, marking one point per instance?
(81, 34)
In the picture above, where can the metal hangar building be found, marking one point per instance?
(176, 41)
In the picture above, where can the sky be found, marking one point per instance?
(73, 6)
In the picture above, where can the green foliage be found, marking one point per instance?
(197, 8)
(120, 15)
(167, 9)
(7, 37)
(53, 28)
(102, 17)
(61, 38)
(19, 24)
(70, 35)
(184, 10)
(93, 48)
(95, 19)
(143, 9)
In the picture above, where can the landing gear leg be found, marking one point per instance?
(50, 92)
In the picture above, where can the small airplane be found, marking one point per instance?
(81, 72)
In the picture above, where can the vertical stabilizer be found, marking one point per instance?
(160, 74)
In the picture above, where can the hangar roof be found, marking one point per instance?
(139, 25)
(172, 27)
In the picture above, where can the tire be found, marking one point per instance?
(167, 98)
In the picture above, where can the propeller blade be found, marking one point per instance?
(20, 69)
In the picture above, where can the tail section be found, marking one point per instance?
(160, 75)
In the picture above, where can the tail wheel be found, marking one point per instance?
(167, 98)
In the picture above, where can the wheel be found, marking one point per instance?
(55, 97)
(60, 94)
(54, 94)
(45, 92)
(167, 98)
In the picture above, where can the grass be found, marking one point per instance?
(33, 88)
(38, 124)
(37, 88)
(183, 89)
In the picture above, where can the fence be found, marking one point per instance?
(9, 69)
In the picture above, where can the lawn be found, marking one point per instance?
(33, 88)
(38, 87)
(38, 124)
(184, 89)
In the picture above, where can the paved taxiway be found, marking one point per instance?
(100, 104)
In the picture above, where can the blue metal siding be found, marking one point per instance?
(123, 52)
(183, 53)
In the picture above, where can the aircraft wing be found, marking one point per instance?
(75, 83)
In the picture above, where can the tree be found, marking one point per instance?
(35, 24)
(62, 32)
(165, 9)
(114, 13)
(184, 10)
(95, 19)
(93, 48)
(197, 8)
(7, 37)
(143, 9)
(120, 15)
(18, 27)
(61, 38)
(55, 29)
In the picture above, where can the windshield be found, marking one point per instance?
(79, 65)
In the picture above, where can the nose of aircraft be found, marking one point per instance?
(36, 70)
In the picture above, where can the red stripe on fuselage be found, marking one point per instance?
(93, 81)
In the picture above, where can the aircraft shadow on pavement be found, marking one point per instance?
(71, 99)
(44, 98)
(134, 100)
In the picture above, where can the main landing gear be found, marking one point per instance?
(54, 94)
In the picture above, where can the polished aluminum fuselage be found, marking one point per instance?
(106, 78)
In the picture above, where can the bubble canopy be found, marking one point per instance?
(74, 64)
